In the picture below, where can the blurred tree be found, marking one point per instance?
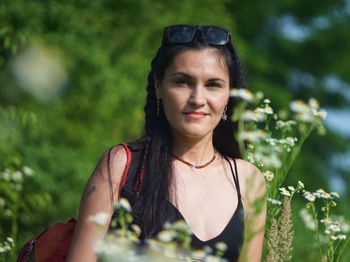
(100, 54)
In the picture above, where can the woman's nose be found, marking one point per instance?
(197, 96)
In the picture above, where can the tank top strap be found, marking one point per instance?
(235, 176)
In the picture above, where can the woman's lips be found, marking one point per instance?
(196, 115)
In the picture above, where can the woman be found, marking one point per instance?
(190, 153)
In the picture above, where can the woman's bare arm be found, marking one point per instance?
(255, 215)
(99, 195)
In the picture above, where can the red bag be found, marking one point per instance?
(53, 244)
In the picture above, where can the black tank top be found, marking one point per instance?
(233, 233)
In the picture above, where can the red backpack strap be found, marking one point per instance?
(132, 176)
(126, 169)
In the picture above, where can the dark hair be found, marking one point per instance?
(157, 165)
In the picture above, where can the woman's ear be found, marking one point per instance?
(158, 88)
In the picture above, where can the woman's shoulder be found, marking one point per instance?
(115, 157)
(250, 178)
(111, 165)
(247, 170)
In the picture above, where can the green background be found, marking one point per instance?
(290, 49)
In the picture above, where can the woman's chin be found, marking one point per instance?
(192, 133)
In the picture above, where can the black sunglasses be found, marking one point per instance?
(182, 34)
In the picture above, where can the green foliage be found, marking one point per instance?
(102, 51)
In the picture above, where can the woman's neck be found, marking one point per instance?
(193, 150)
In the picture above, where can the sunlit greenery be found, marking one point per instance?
(72, 84)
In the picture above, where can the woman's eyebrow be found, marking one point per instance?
(189, 76)
(216, 79)
(181, 74)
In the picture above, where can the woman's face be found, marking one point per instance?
(194, 92)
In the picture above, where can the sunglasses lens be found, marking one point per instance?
(214, 35)
(181, 34)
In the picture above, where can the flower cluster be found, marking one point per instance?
(242, 93)
(285, 125)
(333, 229)
(310, 112)
(321, 194)
(268, 175)
(291, 190)
(255, 116)
(7, 245)
(15, 178)
(267, 109)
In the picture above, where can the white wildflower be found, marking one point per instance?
(181, 225)
(314, 103)
(341, 237)
(333, 237)
(267, 101)
(166, 235)
(266, 110)
(198, 255)
(259, 95)
(301, 184)
(320, 193)
(242, 93)
(250, 115)
(285, 124)
(290, 141)
(27, 171)
(268, 175)
(17, 176)
(6, 175)
(284, 191)
(274, 201)
(136, 229)
(124, 203)
(4, 248)
(335, 194)
(251, 158)
(9, 240)
(309, 196)
(212, 258)
(334, 227)
(322, 114)
(291, 188)
(299, 106)
(271, 141)
(221, 246)
(100, 218)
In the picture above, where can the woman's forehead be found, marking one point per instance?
(204, 62)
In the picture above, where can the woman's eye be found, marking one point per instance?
(214, 84)
(182, 82)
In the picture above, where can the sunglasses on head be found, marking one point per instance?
(182, 34)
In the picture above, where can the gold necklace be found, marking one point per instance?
(194, 167)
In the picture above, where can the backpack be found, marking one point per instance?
(53, 243)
